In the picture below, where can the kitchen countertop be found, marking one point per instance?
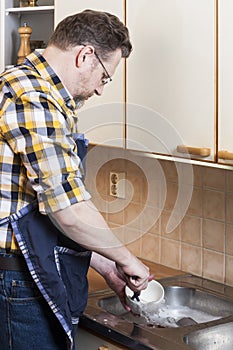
(97, 282)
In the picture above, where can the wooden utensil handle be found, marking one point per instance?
(197, 151)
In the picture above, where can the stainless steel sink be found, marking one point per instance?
(181, 306)
(212, 338)
(192, 307)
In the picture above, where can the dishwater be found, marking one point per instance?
(168, 316)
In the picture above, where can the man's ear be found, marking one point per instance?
(84, 55)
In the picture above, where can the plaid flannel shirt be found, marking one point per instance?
(38, 155)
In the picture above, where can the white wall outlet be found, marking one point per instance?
(117, 184)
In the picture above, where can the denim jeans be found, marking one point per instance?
(26, 321)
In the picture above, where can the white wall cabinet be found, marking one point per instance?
(225, 148)
(12, 16)
(170, 76)
(102, 118)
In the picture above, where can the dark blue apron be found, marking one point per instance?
(57, 264)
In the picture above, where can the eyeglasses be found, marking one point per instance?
(104, 80)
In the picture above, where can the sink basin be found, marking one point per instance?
(212, 338)
(181, 306)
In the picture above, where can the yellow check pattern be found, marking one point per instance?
(38, 155)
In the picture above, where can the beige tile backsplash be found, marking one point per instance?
(201, 243)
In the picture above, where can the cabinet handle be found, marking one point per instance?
(197, 151)
(225, 155)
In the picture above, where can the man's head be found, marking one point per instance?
(102, 30)
(85, 50)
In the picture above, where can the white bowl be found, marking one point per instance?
(150, 299)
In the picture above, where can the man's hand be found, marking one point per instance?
(117, 284)
(136, 274)
(117, 277)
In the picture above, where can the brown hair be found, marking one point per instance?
(101, 29)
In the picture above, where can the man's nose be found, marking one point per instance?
(99, 90)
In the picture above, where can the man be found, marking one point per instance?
(49, 225)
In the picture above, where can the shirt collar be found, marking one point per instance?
(36, 61)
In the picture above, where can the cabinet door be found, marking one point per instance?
(102, 118)
(225, 81)
(170, 76)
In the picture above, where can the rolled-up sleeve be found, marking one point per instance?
(38, 129)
